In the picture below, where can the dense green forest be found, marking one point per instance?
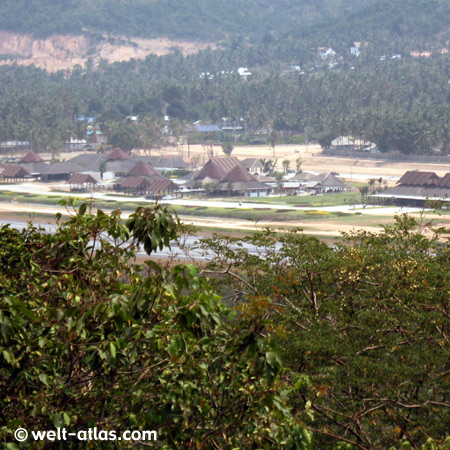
(384, 95)
(335, 23)
(210, 20)
(400, 104)
(387, 25)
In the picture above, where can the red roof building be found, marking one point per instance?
(117, 154)
(81, 182)
(142, 169)
(31, 157)
(14, 173)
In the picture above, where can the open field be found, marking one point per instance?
(321, 215)
(326, 221)
(341, 198)
(350, 169)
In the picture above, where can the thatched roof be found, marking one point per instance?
(15, 172)
(135, 183)
(163, 185)
(445, 181)
(31, 157)
(303, 176)
(217, 168)
(238, 173)
(81, 178)
(142, 169)
(158, 185)
(252, 163)
(418, 178)
(117, 153)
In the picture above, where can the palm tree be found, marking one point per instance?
(273, 141)
(298, 165)
(364, 190)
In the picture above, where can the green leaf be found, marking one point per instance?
(9, 356)
(44, 378)
(12, 446)
(20, 305)
(66, 419)
(113, 349)
(273, 359)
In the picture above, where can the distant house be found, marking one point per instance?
(8, 146)
(160, 188)
(320, 184)
(295, 67)
(215, 169)
(144, 186)
(253, 165)
(117, 155)
(34, 164)
(106, 166)
(229, 177)
(416, 188)
(240, 182)
(75, 144)
(31, 157)
(326, 53)
(82, 182)
(101, 165)
(95, 139)
(343, 143)
(167, 163)
(208, 128)
(243, 72)
(88, 120)
(14, 174)
(142, 179)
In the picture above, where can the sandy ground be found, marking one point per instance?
(62, 52)
(20, 212)
(313, 161)
(351, 170)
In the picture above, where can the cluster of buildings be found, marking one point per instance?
(138, 175)
(144, 175)
(230, 176)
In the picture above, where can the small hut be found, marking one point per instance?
(82, 182)
(31, 157)
(15, 174)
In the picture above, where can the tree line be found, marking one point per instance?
(177, 19)
(400, 104)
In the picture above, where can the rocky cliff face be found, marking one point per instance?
(63, 52)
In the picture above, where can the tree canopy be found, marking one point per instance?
(90, 339)
(367, 321)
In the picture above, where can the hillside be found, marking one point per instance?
(208, 20)
(396, 100)
(55, 35)
(60, 52)
(402, 23)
